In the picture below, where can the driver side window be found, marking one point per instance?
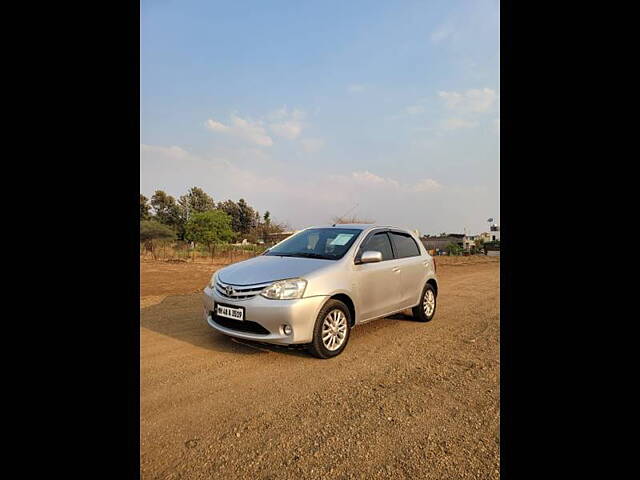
(380, 243)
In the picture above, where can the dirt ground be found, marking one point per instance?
(404, 400)
(159, 279)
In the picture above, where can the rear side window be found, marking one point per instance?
(405, 245)
(379, 243)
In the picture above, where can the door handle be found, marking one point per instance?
(395, 269)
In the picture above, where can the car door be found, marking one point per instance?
(378, 284)
(413, 269)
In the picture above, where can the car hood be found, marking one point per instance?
(269, 268)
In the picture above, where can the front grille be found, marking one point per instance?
(239, 325)
(240, 292)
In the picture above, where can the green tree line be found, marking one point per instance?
(196, 217)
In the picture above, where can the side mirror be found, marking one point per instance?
(371, 256)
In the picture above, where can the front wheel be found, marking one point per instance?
(426, 309)
(331, 330)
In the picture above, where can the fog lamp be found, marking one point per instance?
(287, 329)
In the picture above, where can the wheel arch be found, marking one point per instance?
(346, 299)
(434, 284)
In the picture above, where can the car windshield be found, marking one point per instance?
(324, 243)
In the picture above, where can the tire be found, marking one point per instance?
(420, 310)
(338, 327)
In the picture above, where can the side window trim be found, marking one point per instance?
(370, 235)
(404, 234)
(393, 247)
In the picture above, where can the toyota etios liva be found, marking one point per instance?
(313, 287)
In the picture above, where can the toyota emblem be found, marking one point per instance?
(229, 291)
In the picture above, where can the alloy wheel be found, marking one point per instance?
(334, 329)
(429, 302)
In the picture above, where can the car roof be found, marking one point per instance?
(361, 226)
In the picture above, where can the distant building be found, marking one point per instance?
(470, 242)
(494, 231)
(490, 236)
(440, 242)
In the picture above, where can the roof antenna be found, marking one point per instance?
(345, 213)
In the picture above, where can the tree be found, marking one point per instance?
(195, 201)
(165, 208)
(243, 217)
(208, 228)
(247, 217)
(144, 208)
(274, 226)
(262, 227)
(231, 208)
(152, 230)
(153, 233)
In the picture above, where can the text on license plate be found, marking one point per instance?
(229, 312)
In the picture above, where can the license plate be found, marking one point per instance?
(230, 312)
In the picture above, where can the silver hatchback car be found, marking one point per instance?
(313, 287)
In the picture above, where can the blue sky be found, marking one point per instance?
(308, 109)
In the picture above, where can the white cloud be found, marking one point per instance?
(217, 174)
(311, 145)
(247, 130)
(370, 179)
(466, 108)
(287, 124)
(472, 101)
(456, 123)
(283, 123)
(217, 126)
(426, 185)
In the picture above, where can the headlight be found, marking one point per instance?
(285, 289)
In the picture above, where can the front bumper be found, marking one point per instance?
(301, 314)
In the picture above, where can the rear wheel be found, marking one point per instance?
(426, 309)
(331, 331)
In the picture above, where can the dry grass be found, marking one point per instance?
(198, 258)
(468, 260)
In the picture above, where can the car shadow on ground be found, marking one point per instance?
(181, 317)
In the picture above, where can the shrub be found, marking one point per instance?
(152, 230)
(208, 228)
(153, 233)
(453, 249)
